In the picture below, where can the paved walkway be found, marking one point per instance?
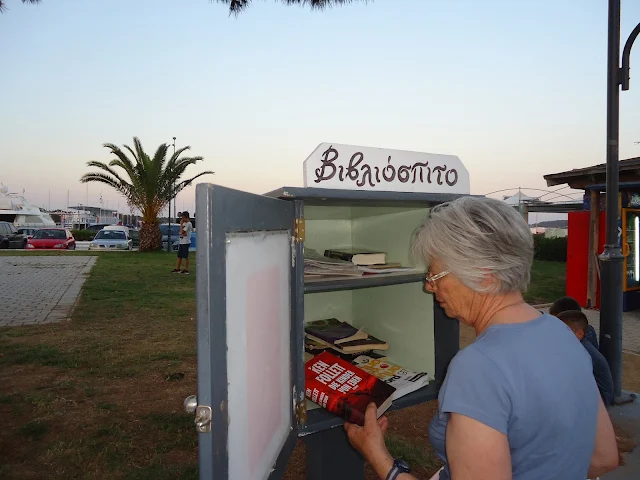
(36, 290)
(627, 417)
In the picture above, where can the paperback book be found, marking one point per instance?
(404, 381)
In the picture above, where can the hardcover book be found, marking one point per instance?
(357, 256)
(344, 389)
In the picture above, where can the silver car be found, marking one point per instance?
(111, 240)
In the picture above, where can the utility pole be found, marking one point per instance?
(174, 205)
(612, 258)
(175, 209)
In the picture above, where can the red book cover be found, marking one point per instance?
(344, 389)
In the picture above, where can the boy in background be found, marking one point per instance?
(569, 303)
(184, 243)
(578, 323)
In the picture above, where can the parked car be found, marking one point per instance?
(120, 228)
(111, 240)
(52, 238)
(175, 235)
(134, 234)
(27, 232)
(10, 237)
(97, 227)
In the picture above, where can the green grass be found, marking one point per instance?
(101, 396)
(547, 282)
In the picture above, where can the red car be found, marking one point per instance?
(52, 238)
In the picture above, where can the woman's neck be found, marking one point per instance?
(498, 309)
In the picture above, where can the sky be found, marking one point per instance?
(516, 89)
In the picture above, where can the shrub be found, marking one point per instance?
(553, 249)
(83, 235)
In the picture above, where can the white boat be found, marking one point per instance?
(15, 209)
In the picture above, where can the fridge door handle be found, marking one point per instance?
(626, 249)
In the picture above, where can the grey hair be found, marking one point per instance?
(475, 237)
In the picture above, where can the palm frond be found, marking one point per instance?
(111, 171)
(186, 183)
(237, 6)
(101, 178)
(4, 8)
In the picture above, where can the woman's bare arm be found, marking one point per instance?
(476, 451)
(605, 452)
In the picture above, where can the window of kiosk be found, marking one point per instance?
(399, 313)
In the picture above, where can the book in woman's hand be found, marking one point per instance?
(344, 389)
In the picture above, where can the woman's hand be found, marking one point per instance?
(369, 440)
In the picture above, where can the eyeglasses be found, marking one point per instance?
(431, 279)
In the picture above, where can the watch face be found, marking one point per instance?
(402, 465)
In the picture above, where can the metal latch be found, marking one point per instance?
(298, 231)
(203, 414)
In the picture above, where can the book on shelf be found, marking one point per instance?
(357, 256)
(333, 331)
(386, 268)
(313, 348)
(404, 381)
(344, 389)
(342, 337)
(316, 265)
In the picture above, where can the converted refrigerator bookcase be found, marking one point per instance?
(253, 302)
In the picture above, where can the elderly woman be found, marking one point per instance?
(520, 402)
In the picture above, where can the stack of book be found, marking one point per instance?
(340, 336)
(316, 264)
(348, 263)
(356, 347)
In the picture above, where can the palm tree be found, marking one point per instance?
(153, 182)
(236, 6)
(3, 7)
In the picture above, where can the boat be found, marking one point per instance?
(14, 208)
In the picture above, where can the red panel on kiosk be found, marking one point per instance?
(577, 256)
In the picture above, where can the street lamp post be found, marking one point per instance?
(175, 209)
(174, 205)
(612, 258)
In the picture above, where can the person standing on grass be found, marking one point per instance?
(183, 245)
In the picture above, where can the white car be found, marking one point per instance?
(111, 239)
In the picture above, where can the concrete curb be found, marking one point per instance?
(67, 303)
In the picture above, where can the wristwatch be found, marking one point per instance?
(399, 466)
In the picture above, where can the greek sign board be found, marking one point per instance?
(351, 167)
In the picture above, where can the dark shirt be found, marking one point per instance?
(592, 337)
(601, 372)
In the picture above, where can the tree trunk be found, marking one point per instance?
(150, 237)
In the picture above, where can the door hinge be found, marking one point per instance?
(301, 412)
(298, 230)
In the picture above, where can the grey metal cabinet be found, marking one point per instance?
(253, 301)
